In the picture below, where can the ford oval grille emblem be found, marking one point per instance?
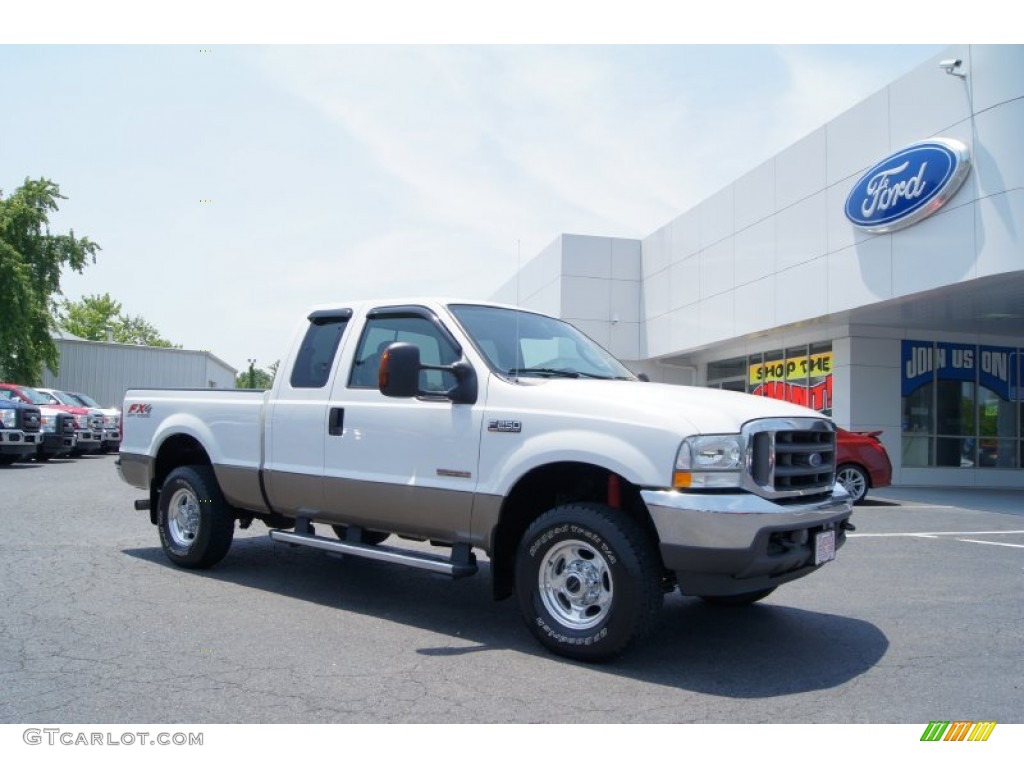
(814, 459)
(908, 186)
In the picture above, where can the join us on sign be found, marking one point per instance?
(995, 368)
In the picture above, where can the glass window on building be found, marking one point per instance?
(961, 405)
(801, 375)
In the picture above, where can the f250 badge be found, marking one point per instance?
(504, 425)
(141, 410)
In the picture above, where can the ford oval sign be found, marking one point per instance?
(908, 186)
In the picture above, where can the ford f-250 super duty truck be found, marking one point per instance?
(481, 427)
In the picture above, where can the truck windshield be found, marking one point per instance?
(519, 343)
(36, 398)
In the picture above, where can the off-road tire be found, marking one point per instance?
(196, 524)
(588, 581)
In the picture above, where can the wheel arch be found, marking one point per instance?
(175, 451)
(546, 487)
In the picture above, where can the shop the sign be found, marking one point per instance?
(908, 186)
(804, 381)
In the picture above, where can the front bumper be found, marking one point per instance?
(14, 441)
(55, 444)
(87, 440)
(730, 543)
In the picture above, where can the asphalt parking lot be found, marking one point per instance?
(920, 618)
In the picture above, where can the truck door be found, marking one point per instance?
(405, 465)
(297, 417)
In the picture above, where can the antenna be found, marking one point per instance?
(519, 277)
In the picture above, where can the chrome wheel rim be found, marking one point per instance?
(575, 584)
(854, 483)
(183, 518)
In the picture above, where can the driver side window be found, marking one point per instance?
(380, 332)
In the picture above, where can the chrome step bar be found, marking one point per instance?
(462, 563)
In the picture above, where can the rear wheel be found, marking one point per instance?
(854, 480)
(196, 524)
(588, 581)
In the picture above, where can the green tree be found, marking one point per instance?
(89, 318)
(257, 378)
(133, 329)
(94, 316)
(31, 262)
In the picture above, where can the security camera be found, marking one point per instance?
(952, 67)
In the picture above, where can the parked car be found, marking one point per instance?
(111, 420)
(88, 422)
(19, 431)
(862, 463)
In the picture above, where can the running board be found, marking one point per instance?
(461, 564)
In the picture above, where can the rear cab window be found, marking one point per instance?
(313, 362)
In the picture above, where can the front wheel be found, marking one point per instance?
(588, 581)
(854, 480)
(196, 524)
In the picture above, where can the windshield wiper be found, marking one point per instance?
(562, 373)
(545, 372)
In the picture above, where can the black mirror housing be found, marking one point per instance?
(399, 372)
(399, 375)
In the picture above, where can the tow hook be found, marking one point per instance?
(848, 526)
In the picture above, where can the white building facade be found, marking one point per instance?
(106, 370)
(914, 327)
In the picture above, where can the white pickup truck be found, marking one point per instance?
(479, 427)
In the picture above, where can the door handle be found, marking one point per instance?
(336, 421)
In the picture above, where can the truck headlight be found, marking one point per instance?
(8, 418)
(48, 423)
(709, 461)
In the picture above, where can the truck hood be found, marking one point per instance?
(683, 409)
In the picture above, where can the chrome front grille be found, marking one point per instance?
(30, 420)
(790, 457)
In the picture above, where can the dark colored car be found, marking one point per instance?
(862, 463)
(19, 431)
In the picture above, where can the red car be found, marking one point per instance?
(861, 463)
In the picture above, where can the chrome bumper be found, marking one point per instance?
(730, 543)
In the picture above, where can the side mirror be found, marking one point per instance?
(399, 372)
(399, 375)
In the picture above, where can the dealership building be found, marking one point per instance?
(873, 271)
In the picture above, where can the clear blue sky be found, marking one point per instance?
(336, 172)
